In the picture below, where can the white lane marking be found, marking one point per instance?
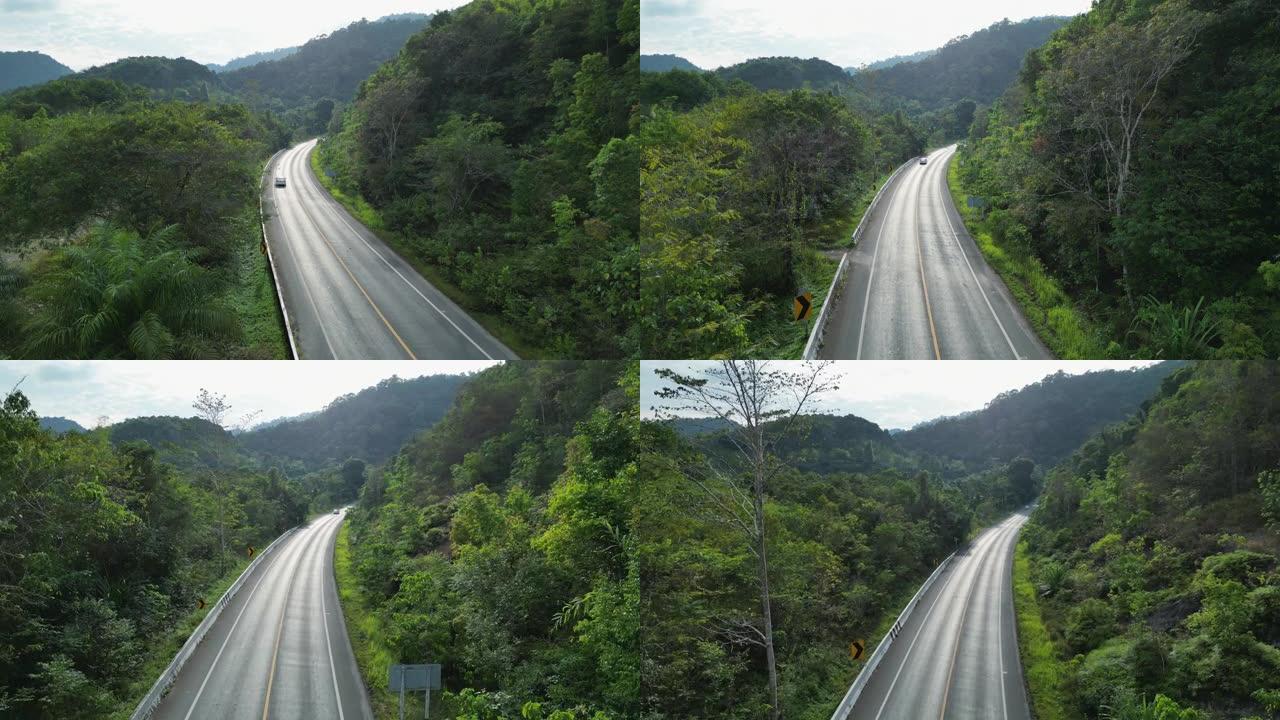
(325, 621)
(906, 657)
(866, 302)
(339, 215)
(226, 640)
(306, 286)
(965, 255)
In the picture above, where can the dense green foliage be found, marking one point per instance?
(1045, 421)
(663, 63)
(105, 550)
(1156, 214)
(1151, 556)
(496, 149)
(23, 68)
(251, 59)
(499, 544)
(176, 78)
(785, 73)
(133, 222)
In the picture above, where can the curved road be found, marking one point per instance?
(918, 287)
(957, 655)
(280, 649)
(347, 294)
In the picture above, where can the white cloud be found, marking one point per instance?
(713, 33)
(902, 394)
(87, 390)
(83, 33)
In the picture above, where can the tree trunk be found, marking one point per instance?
(762, 569)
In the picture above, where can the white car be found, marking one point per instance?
(280, 182)
(924, 161)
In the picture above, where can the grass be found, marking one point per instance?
(1043, 669)
(254, 298)
(1062, 327)
(372, 219)
(161, 651)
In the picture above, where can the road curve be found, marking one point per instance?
(347, 294)
(279, 651)
(918, 288)
(957, 656)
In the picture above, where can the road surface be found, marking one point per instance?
(347, 294)
(957, 656)
(279, 651)
(918, 287)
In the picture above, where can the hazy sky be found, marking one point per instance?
(83, 33)
(902, 394)
(84, 391)
(713, 33)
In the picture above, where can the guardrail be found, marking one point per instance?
(860, 682)
(271, 263)
(153, 697)
(819, 327)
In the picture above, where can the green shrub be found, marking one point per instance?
(1089, 624)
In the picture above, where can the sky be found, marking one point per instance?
(88, 390)
(84, 33)
(714, 33)
(899, 395)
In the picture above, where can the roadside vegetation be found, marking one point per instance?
(1156, 219)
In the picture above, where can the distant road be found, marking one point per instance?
(348, 295)
(918, 287)
(279, 651)
(957, 656)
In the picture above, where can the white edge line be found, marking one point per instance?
(963, 253)
(262, 218)
(866, 301)
(397, 272)
(333, 671)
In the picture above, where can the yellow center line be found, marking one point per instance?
(933, 330)
(266, 704)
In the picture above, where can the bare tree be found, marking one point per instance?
(212, 407)
(762, 404)
(1106, 86)
(388, 105)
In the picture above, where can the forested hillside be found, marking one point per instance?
(20, 69)
(1045, 421)
(783, 73)
(107, 553)
(169, 78)
(500, 545)
(251, 59)
(663, 63)
(1156, 214)
(1155, 556)
(129, 223)
(370, 425)
(496, 154)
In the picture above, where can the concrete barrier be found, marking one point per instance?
(860, 682)
(153, 697)
(837, 283)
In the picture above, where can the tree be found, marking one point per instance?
(761, 405)
(212, 407)
(388, 104)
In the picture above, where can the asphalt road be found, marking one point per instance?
(957, 656)
(918, 287)
(348, 295)
(279, 651)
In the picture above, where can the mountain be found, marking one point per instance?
(663, 63)
(890, 62)
(329, 66)
(370, 425)
(176, 78)
(252, 59)
(23, 68)
(786, 73)
(693, 427)
(61, 425)
(1044, 421)
(978, 67)
(1155, 556)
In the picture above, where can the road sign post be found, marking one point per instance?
(414, 677)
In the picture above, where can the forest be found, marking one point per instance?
(727, 239)
(500, 544)
(496, 153)
(1154, 555)
(1155, 215)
